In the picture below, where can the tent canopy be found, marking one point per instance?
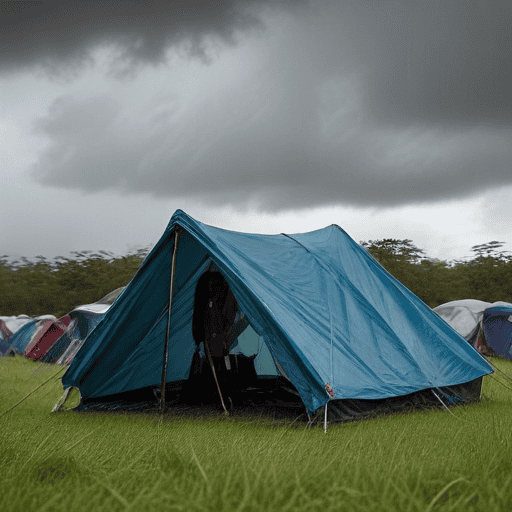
(335, 322)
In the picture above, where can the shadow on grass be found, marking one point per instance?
(53, 469)
(264, 416)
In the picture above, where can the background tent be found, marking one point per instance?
(497, 328)
(21, 339)
(483, 324)
(13, 329)
(463, 315)
(5, 332)
(5, 335)
(339, 327)
(5, 348)
(9, 325)
(47, 333)
(83, 319)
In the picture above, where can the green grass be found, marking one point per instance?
(98, 461)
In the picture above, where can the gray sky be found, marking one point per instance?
(389, 118)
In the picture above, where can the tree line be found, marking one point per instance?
(56, 286)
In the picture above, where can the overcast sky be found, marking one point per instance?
(392, 119)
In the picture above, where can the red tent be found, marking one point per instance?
(5, 332)
(47, 334)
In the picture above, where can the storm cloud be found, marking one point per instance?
(61, 35)
(326, 103)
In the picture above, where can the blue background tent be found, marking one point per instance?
(4, 347)
(82, 323)
(21, 339)
(497, 324)
(331, 317)
(83, 320)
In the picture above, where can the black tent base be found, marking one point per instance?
(426, 399)
(271, 400)
(265, 390)
(276, 399)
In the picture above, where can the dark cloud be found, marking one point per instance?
(354, 102)
(59, 35)
(445, 62)
(439, 61)
(261, 160)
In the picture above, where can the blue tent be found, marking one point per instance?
(497, 326)
(83, 320)
(339, 327)
(81, 324)
(5, 347)
(21, 338)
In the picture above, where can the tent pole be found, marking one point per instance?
(167, 333)
(210, 360)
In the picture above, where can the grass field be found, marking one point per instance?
(99, 461)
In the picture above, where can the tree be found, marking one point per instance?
(392, 250)
(58, 286)
(490, 250)
(490, 272)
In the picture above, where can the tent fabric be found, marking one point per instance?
(83, 319)
(83, 322)
(485, 325)
(335, 322)
(21, 339)
(24, 336)
(9, 325)
(5, 348)
(497, 328)
(463, 315)
(111, 297)
(45, 336)
(5, 332)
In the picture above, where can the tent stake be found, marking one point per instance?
(167, 333)
(442, 403)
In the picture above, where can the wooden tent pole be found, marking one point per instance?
(167, 333)
(212, 366)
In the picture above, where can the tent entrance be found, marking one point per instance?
(248, 377)
(224, 363)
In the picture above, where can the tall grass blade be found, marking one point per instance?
(199, 465)
(112, 491)
(69, 448)
(442, 491)
(32, 392)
